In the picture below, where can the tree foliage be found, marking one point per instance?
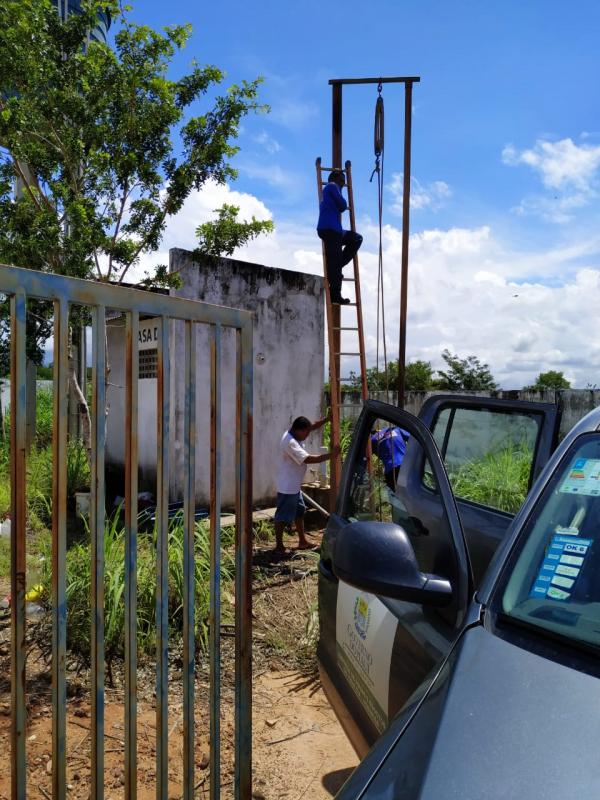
(106, 146)
(553, 379)
(465, 373)
(418, 377)
(223, 235)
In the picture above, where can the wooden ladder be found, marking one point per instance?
(344, 332)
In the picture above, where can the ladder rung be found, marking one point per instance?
(344, 329)
(330, 169)
(346, 354)
(353, 280)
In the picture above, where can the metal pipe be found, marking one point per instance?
(18, 472)
(162, 564)
(97, 536)
(131, 530)
(59, 547)
(189, 527)
(243, 572)
(348, 81)
(215, 561)
(314, 504)
(336, 313)
(405, 241)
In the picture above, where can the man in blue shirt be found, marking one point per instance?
(340, 246)
(389, 445)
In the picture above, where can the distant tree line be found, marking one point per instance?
(459, 374)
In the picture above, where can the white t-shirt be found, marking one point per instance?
(291, 466)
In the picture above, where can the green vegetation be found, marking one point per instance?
(223, 235)
(468, 374)
(125, 142)
(346, 433)
(499, 479)
(39, 477)
(418, 377)
(465, 373)
(79, 581)
(553, 379)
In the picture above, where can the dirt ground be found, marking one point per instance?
(299, 749)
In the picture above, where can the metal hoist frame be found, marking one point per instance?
(20, 285)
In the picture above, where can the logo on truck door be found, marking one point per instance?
(365, 632)
(362, 617)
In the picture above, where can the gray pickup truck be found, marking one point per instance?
(460, 608)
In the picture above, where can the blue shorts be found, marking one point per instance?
(289, 507)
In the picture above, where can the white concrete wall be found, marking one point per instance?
(288, 373)
(288, 349)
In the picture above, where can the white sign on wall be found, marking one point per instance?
(149, 332)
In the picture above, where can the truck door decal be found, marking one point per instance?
(365, 632)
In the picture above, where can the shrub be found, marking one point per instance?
(79, 583)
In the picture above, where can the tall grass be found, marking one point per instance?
(39, 468)
(500, 479)
(346, 433)
(79, 581)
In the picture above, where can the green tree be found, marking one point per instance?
(89, 131)
(465, 373)
(220, 237)
(419, 376)
(105, 145)
(553, 379)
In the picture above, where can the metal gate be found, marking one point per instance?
(20, 285)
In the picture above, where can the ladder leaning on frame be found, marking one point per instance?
(352, 325)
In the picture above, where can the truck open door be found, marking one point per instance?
(396, 572)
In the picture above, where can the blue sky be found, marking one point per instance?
(505, 243)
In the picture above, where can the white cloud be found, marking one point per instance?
(431, 195)
(561, 165)
(199, 207)
(468, 291)
(568, 170)
(270, 144)
(293, 114)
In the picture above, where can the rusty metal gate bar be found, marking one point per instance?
(131, 512)
(21, 284)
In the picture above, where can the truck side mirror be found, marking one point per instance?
(378, 557)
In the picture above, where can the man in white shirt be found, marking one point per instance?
(291, 466)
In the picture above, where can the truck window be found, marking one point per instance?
(375, 473)
(553, 582)
(488, 454)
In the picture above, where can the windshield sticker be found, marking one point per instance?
(583, 478)
(365, 632)
(567, 531)
(560, 568)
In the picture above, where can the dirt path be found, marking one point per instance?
(300, 751)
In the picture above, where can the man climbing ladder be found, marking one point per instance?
(344, 317)
(340, 246)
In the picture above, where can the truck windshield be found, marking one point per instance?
(554, 583)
